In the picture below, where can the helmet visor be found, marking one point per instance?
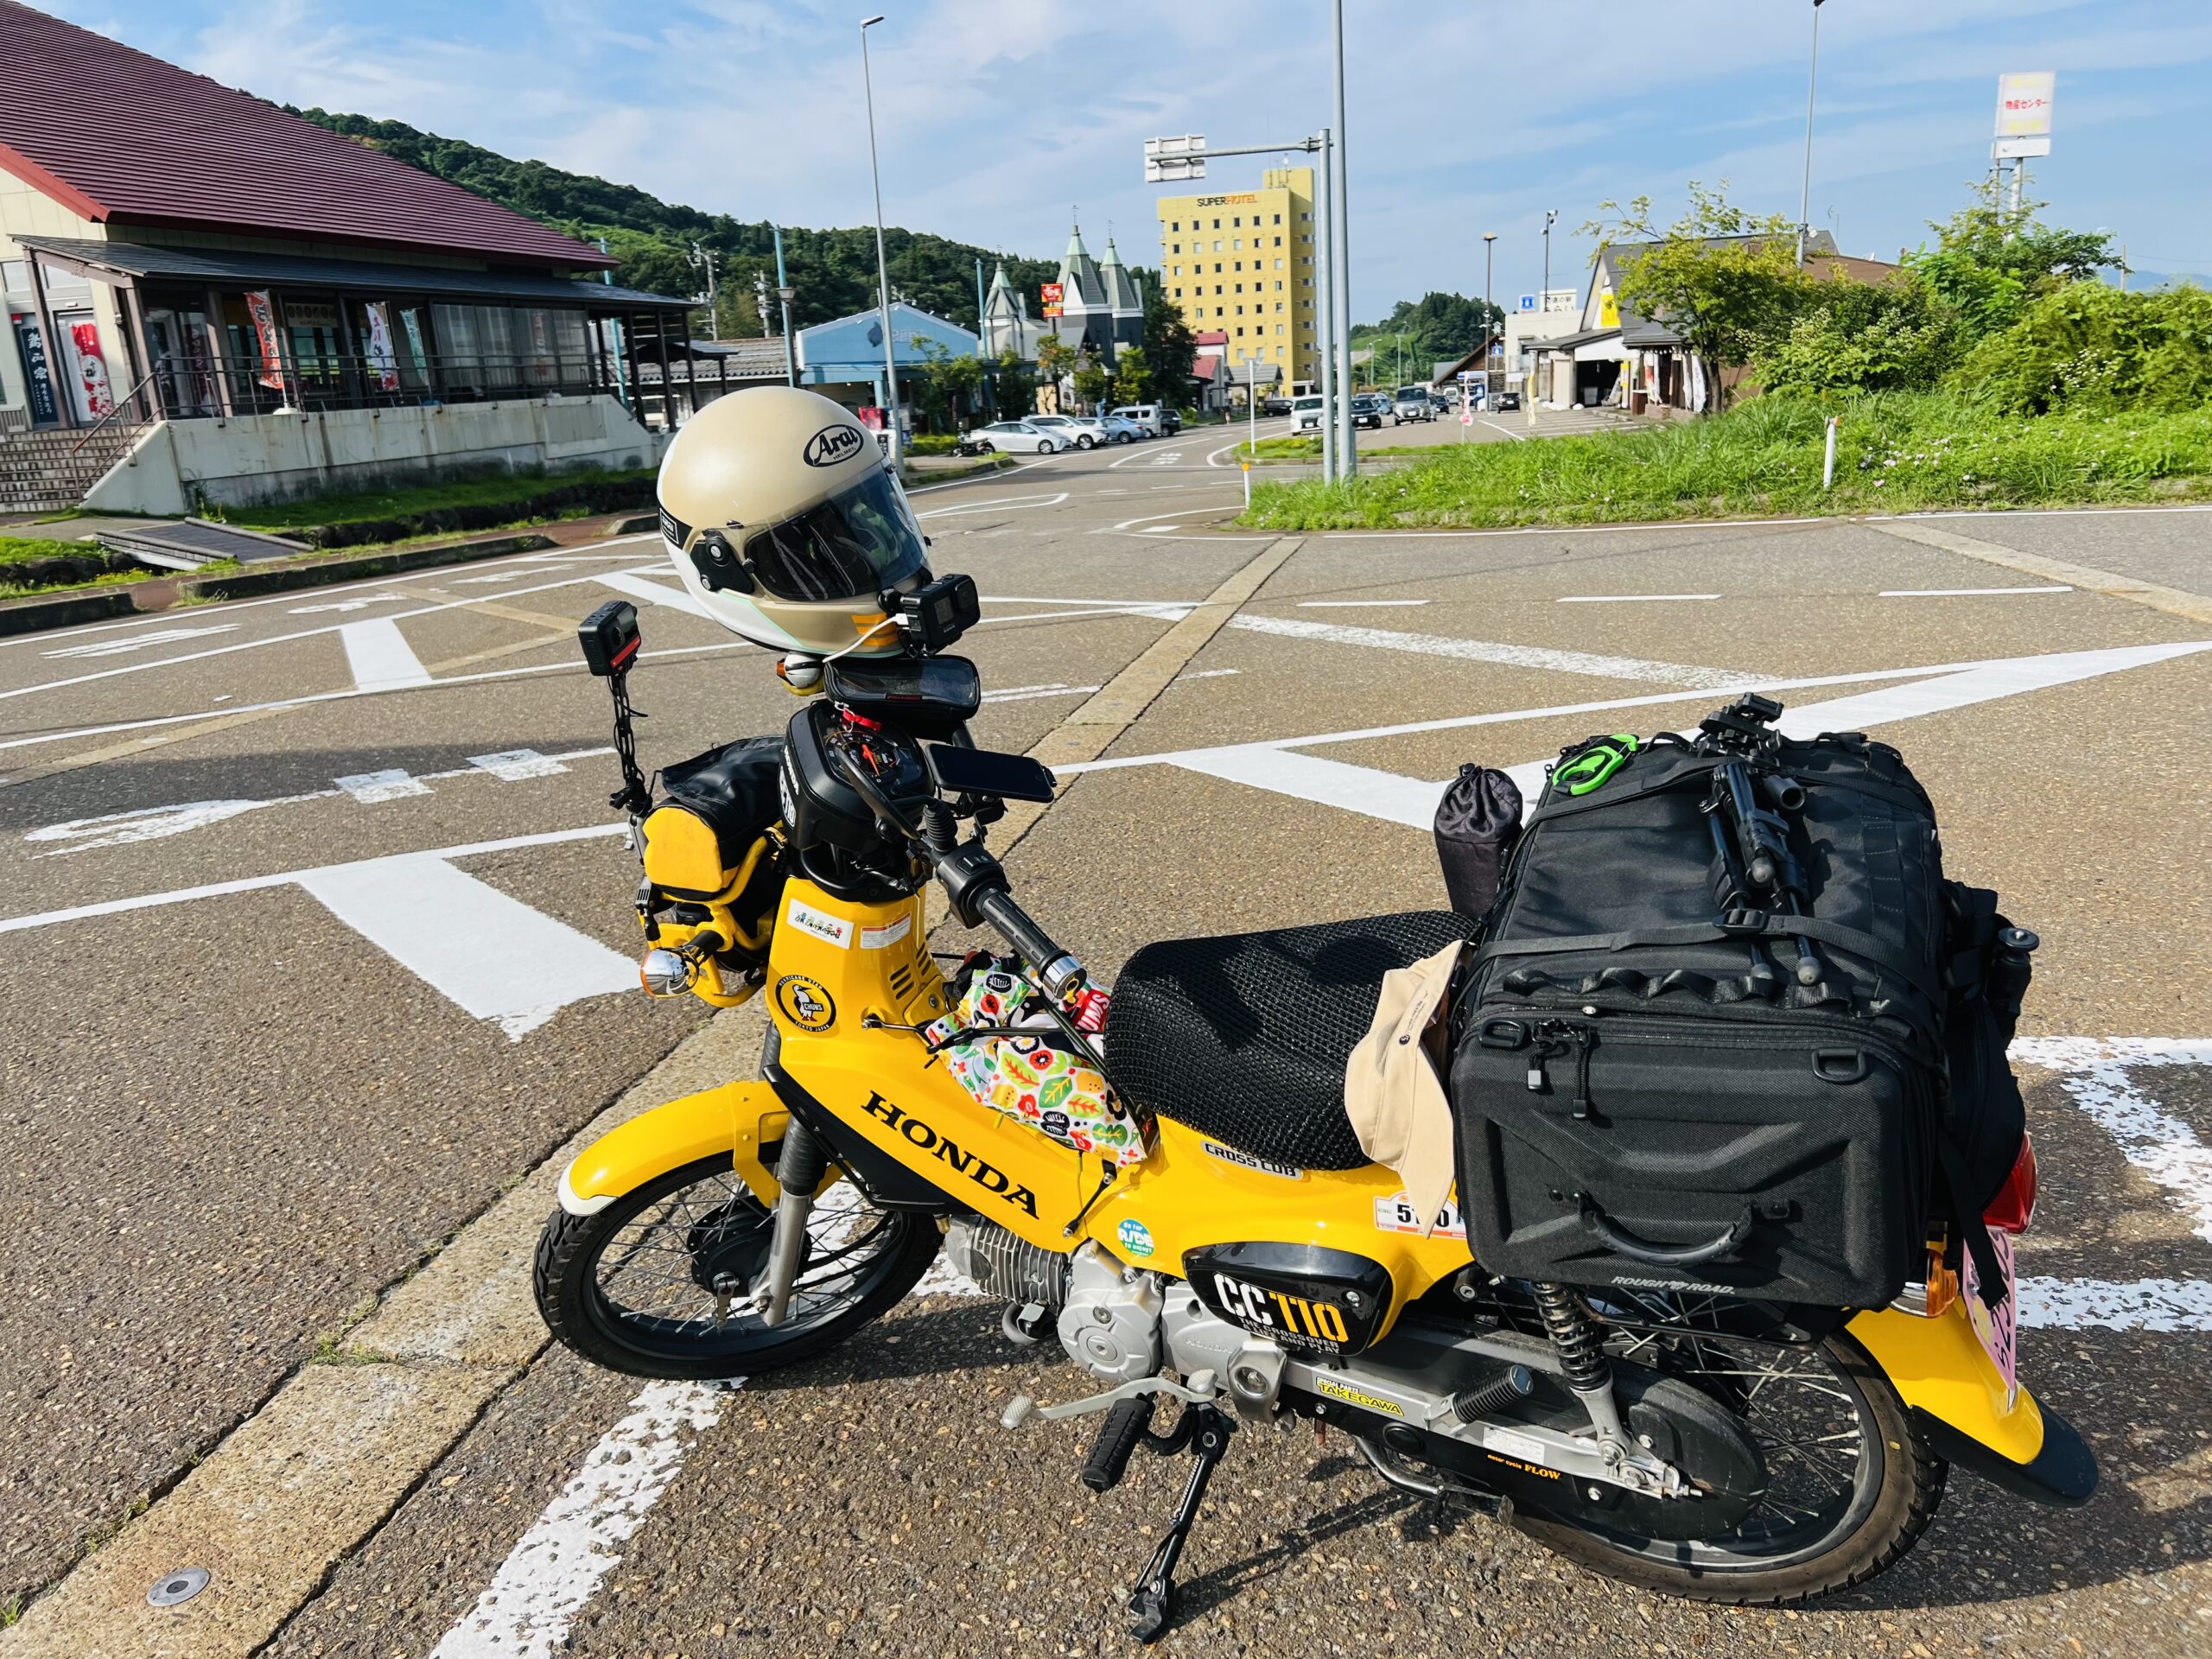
(854, 545)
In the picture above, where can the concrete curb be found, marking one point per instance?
(36, 615)
(2174, 600)
(284, 579)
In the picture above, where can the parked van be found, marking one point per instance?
(1144, 416)
(1306, 414)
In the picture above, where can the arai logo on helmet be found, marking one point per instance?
(833, 444)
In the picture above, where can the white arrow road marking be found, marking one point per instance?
(1365, 789)
(1485, 651)
(556, 1567)
(492, 956)
(1355, 604)
(1963, 592)
(380, 657)
(2097, 1073)
(146, 823)
(2125, 1304)
(362, 603)
(636, 584)
(1627, 599)
(514, 765)
(997, 504)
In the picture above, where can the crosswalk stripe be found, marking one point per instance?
(491, 955)
(379, 656)
(1487, 651)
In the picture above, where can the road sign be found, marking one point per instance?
(1527, 302)
(2023, 103)
(2012, 150)
(1171, 161)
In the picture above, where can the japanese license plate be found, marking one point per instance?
(1998, 1327)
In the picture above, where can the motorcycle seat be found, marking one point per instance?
(1243, 1038)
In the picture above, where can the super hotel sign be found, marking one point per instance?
(1228, 201)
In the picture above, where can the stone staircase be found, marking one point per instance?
(49, 471)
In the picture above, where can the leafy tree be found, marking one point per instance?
(1014, 386)
(1090, 380)
(1724, 279)
(946, 385)
(1991, 263)
(833, 271)
(1851, 336)
(1056, 360)
(1170, 347)
(1132, 375)
(2085, 345)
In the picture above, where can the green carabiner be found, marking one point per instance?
(1599, 759)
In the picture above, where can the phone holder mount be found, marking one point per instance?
(610, 640)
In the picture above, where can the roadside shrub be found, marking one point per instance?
(1854, 337)
(2088, 346)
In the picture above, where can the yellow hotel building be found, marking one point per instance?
(1242, 262)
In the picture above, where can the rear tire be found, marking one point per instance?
(1895, 1491)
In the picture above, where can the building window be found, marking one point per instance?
(1175, 247)
(1179, 292)
(1216, 241)
(1278, 220)
(1278, 329)
(1236, 244)
(1174, 224)
(1217, 287)
(1240, 287)
(1278, 240)
(1217, 224)
(1216, 267)
(1240, 329)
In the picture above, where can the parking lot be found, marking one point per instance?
(319, 944)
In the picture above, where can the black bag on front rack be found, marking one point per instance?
(1478, 824)
(1646, 1095)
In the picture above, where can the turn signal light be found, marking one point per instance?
(2013, 1209)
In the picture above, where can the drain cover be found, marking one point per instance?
(174, 1588)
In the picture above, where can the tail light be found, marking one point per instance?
(2013, 1209)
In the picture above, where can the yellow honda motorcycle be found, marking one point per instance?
(1235, 1259)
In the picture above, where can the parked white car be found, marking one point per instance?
(1306, 414)
(1069, 431)
(1144, 416)
(1014, 437)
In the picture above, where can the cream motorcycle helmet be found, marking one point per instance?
(787, 526)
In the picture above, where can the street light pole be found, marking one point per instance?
(785, 295)
(1347, 443)
(1543, 306)
(1805, 196)
(883, 268)
(1324, 293)
(1490, 335)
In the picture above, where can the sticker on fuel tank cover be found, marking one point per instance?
(1135, 1237)
(820, 923)
(805, 1003)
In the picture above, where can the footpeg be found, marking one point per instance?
(1126, 1424)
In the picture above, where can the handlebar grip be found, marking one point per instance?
(1124, 1427)
(1054, 966)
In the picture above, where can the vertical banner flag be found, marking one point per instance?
(1052, 293)
(258, 307)
(94, 394)
(382, 363)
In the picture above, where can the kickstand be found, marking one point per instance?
(1153, 1603)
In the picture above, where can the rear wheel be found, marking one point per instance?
(659, 1282)
(1850, 1486)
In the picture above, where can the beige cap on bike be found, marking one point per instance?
(786, 525)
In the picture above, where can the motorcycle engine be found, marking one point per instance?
(1108, 1315)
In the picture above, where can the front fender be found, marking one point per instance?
(1957, 1397)
(738, 1119)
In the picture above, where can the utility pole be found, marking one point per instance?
(883, 268)
(705, 255)
(1347, 443)
(785, 295)
(760, 299)
(1544, 300)
(1805, 196)
(1325, 298)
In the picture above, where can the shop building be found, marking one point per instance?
(209, 299)
(1242, 262)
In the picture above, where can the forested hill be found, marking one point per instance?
(833, 271)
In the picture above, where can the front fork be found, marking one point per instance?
(800, 1169)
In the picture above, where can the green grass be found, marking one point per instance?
(14, 550)
(502, 490)
(1894, 453)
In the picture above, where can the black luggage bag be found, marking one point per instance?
(1665, 1080)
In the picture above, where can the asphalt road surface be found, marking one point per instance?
(315, 941)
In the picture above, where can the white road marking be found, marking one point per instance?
(1517, 438)
(1485, 651)
(514, 765)
(2127, 1305)
(636, 584)
(996, 504)
(2096, 1072)
(491, 955)
(1965, 593)
(393, 784)
(1627, 599)
(556, 1567)
(1365, 789)
(480, 582)
(379, 656)
(1979, 682)
(1356, 604)
(145, 823)
(139, 641)
(359, 604)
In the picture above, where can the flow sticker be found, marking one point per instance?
(820, 925)
(1527, 1447)
(1135, 1237)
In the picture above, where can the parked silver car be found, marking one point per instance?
(1014, 437)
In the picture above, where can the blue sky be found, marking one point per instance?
(995, 117)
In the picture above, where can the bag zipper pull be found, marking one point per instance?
(1555, 1039)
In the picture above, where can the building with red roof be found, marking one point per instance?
(211, 299)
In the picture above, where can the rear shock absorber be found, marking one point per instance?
(1582, 1361)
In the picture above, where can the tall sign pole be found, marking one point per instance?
(882, 270)
(1805, 195)
(1347, 443)
(2024, 105)
(1325, 294)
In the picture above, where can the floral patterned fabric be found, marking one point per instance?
(1042, 1080)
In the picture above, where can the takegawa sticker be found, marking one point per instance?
(1135, 1237)
(820, 923)
(875, 938)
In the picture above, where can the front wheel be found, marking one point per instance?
(659, 1282)
(1851, 1486)
(1045, 448)
(1085, 442)
(983, 447)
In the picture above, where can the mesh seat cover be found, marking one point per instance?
(1244, 1036)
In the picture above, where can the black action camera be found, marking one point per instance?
(936, 616)
(609, 637)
